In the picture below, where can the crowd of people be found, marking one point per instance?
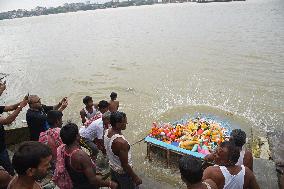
(58, 148)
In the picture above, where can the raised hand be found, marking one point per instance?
(63, 100)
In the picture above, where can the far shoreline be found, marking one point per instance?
(79, 7)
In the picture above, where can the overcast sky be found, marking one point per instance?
(6, 5)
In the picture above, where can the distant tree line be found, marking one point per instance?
(71, 7)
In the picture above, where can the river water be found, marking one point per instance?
(225, 59)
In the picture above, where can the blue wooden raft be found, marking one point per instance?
(169, 148)
(173, 147)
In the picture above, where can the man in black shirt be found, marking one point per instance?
(4, 158)
(37, 115)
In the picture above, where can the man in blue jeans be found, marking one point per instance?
(4, 157)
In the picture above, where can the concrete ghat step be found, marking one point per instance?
(264, 167)
(265, 173)
(153, 184)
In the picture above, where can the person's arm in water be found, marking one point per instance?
(122, 148)
(248, 160)
(57, 106)
(87, 167)
(8, 120)
(83, 116)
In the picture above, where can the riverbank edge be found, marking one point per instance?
(260, 146)
(41, 11)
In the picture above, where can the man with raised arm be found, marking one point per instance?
(16, 108)
(37, 115)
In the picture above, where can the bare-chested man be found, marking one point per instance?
(113, 103)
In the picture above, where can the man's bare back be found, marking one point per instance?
(113, 105)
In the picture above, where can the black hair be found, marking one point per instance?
(113, 95)
(238, 136)
(68, 133)
(191, 169)
(116, 117)
(233, 151)
(103, 104)
(87, 99)
(53, 116)
(29, 155)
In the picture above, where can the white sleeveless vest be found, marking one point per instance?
(114, 161)
(233, 181)
(90, 115)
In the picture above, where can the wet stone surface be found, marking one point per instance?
(266, 179)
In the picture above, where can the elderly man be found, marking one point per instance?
(37, 115)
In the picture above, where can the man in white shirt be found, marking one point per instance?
(92, 136)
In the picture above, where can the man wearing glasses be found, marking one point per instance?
(37, 115)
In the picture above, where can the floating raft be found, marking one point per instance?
(169, 148)
(171, 145)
